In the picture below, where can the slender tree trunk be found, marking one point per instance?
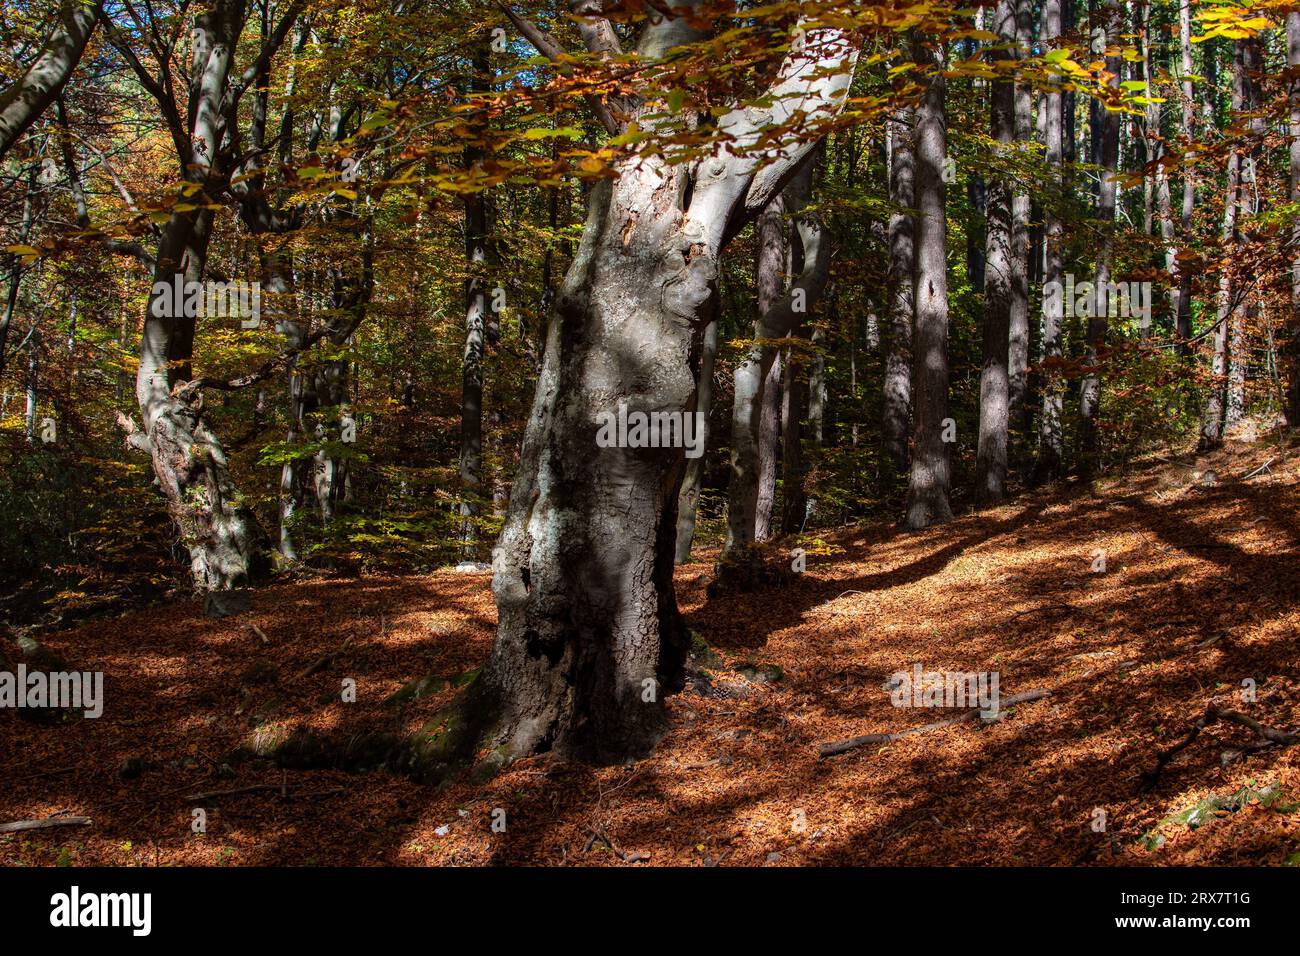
(794, 502)
(769, 437)
(1018, 334)
(1108, 160)
(1227, 361)
(1293, 345)
(927, 491)
(779, 316)
(688, 500)
(1050, 440)
(991, 456)
(33, 383)
(476, 319)
(1246, 313)
(897, 406)
(1183, 312)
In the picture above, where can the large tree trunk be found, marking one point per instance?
(927, 490)
(897, 406)
(999, 277)
(589, 641)
(24, 102)
(1047, 467)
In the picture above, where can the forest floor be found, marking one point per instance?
(1202, 570)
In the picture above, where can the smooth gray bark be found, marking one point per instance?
(927, 490)
(896, 413)
(688, 499)
(1106, 157)
(31, 95)
(590, 642)
(1047, 466)
(999, 277)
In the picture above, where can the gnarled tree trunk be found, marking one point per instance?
(589, 641)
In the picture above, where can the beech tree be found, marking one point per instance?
(589, 641)
(927, 490)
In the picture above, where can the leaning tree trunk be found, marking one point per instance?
(216, 527)
(31, 95)
(590, 641)
(927, 490)
(896, 412)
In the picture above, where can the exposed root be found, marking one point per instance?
(1268, 737)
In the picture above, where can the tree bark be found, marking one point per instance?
(999, 277)
(780, 315)
(1018, 333)
(1048, 465)
(24, 102)
(589, 641)
(897, 406)
(688, 499)
(216, 527)
(927, 491)
(1107, 157)
(476, 318)
(1230, 318)
(1292, 409)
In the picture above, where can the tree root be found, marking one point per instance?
(438, 753)
(1268, 737)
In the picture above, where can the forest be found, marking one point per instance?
(644, 433)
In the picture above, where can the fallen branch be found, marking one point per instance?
(323, 662)
(262, 788)
(843, 746)
(47, 823)
(1263, 467)
(1269, 737)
